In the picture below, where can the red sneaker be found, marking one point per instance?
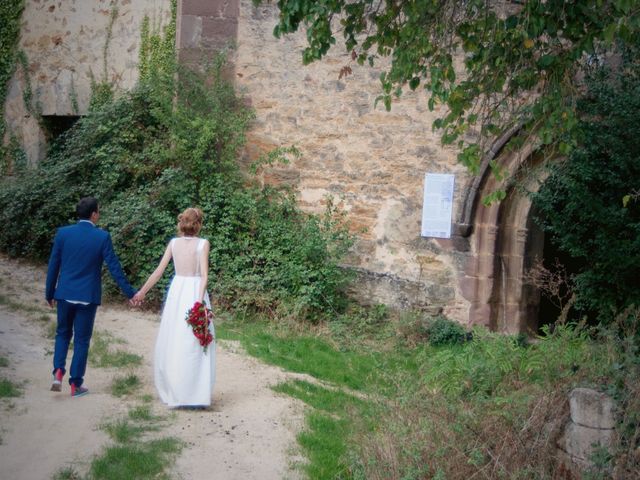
(78, 391)
(56, 386)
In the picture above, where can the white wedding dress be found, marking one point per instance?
(184, 374)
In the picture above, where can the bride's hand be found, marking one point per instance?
(137, 299)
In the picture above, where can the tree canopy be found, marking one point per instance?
(495, 65)
(584, 204)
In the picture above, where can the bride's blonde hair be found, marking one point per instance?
(190, 222)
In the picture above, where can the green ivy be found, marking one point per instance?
(157, 50)
(27, 93)
(10, 13)
(171, 143)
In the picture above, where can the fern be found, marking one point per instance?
(491, 363)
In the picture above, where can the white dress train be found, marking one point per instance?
(184, 374)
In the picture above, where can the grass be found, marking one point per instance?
(139, 421)
(4, 361)
(50, 331)
(123, 431)
(306, 354)
(67, 473)
(142, 413)
(389, 408)
(22, 307)
(336, 408)
(328, 426)
(127, 385)
(133, 453)
(102, 354)
(8, 389)
(141, 461)
(40, 314)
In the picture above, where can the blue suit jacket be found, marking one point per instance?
(75, 265)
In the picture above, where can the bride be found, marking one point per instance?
(184, 374)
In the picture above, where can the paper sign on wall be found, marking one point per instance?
(438, 205)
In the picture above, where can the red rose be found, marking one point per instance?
(199, 318)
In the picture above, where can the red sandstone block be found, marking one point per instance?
(211, 8)
(219, 28)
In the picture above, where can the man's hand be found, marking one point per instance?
(51, 303)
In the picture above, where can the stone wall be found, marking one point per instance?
(205, 27)
(371, 160)
(64, 43)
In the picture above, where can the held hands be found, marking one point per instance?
(137, 299)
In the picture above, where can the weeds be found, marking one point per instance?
(4, 362)
(483, 405)
(132, 455)
(50, 331)
(142, 413)
(102, 355)
(122, 431)
(9, 389)
(136, 460)
(23, 307)
(122, 386)
(67, 473)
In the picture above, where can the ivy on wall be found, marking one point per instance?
(10, 13)
(102, 90)
(158, 49)
(34, 108)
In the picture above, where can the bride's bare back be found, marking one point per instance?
(187, 255)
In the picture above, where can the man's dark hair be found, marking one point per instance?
(86, 206)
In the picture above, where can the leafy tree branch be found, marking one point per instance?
(494, 65)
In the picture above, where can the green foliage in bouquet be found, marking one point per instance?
(171, 143)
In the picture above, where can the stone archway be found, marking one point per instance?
(504, 242)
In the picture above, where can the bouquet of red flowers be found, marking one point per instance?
(199, 317)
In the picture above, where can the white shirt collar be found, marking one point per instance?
(88, 221)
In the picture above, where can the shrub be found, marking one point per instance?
(589, 204)
(442, 331)
(167, 145)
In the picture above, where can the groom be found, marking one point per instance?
(74, 282)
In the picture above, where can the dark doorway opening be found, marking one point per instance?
(56, 125)
(563, 265)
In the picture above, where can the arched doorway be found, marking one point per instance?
(505, 242)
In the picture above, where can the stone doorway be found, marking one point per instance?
(505, 242)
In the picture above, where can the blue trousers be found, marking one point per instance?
(74, 320)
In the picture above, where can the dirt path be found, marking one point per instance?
(248, 434)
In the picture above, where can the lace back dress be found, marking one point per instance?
(184, 374)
